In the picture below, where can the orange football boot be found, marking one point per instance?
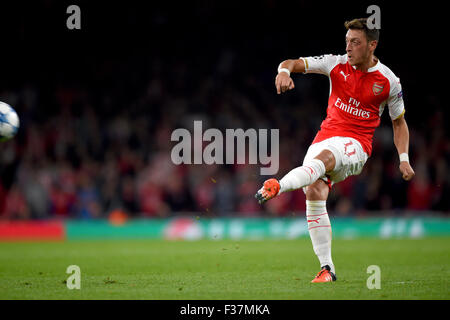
(269, 190)
(324, 275)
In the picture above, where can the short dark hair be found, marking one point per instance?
(361, 24)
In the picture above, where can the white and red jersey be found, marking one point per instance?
(357, 99)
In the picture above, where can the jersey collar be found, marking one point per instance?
(372, 69)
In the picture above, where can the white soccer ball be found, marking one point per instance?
(9, 122)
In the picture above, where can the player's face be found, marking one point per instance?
(357, 47)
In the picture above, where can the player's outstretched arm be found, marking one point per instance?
(401, 141)
(283, 81)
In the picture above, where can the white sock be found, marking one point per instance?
(302, 176)
(319, 227)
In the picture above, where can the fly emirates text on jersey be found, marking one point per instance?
(352, 107)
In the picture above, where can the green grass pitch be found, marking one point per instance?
(223, 269)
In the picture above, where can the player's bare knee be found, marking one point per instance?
(317, 191)
(327, 157)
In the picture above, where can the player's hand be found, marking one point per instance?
(283, 82)
(406, 170)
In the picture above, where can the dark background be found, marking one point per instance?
(98, 105)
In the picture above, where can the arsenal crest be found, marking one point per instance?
(377, 88)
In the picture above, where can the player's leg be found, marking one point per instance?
(305, 175)
(340, 158)
(319, 228)
(309, 172)
(349, 160)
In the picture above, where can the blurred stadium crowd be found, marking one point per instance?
(83, 161)
(103, 143)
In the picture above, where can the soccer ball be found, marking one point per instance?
(9, 122)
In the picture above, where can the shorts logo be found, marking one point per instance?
(377, 88)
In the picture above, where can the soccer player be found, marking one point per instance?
(360, 88)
